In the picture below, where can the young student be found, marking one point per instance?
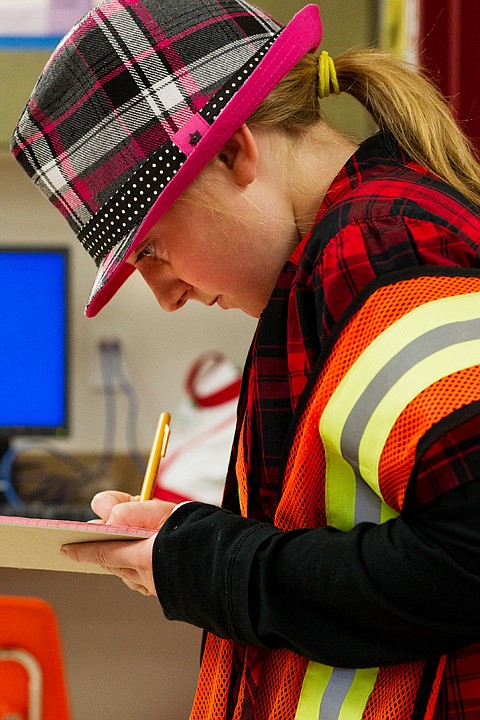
(185, 140)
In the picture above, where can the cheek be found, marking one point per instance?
(158, 279)
(192, 261)
(147, 272)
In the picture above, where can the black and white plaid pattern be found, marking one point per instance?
(117, 89)
(119, 122)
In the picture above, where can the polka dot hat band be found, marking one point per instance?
(135, 101)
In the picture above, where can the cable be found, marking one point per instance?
(132, 411)
(6, 484)
(105, 350)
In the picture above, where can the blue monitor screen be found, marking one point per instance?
(33, 341)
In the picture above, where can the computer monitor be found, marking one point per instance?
(33, 342)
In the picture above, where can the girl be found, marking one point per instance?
(185, 140)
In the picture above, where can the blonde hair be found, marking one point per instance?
(396, 97)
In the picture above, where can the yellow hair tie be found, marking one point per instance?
(327, 75)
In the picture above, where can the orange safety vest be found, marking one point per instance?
(405, 358)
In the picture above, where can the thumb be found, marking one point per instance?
(150, 514)
(103, 502)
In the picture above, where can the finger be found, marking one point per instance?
(131, 560)
(103, 502)
(114, 554)
(131, 579)
(137, 578)
(137, 587)
(150, 514)
(85, 553)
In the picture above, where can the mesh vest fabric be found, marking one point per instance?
(395, 319)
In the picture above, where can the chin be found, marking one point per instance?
(253, 312)
(250, 310)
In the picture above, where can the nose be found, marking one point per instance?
(171, 298)
(170, 292)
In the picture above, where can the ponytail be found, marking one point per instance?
(396, 97)
(415, 113)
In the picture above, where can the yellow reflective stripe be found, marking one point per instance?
(409, 328)
(317, 677)
(387, 513)
(357, 697)
(425, 373)
(339, 486)
(318, 686)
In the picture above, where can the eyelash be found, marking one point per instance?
(147, 251)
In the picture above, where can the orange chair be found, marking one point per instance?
(32, 679)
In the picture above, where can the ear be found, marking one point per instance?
(240, 156)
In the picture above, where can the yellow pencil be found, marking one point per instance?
(159, 448)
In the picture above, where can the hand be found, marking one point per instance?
(120, 508)
(130, 561)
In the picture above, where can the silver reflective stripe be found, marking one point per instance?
(367, 503)
(426, 344)
(335, 693)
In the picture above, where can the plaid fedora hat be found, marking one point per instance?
(135, 101)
